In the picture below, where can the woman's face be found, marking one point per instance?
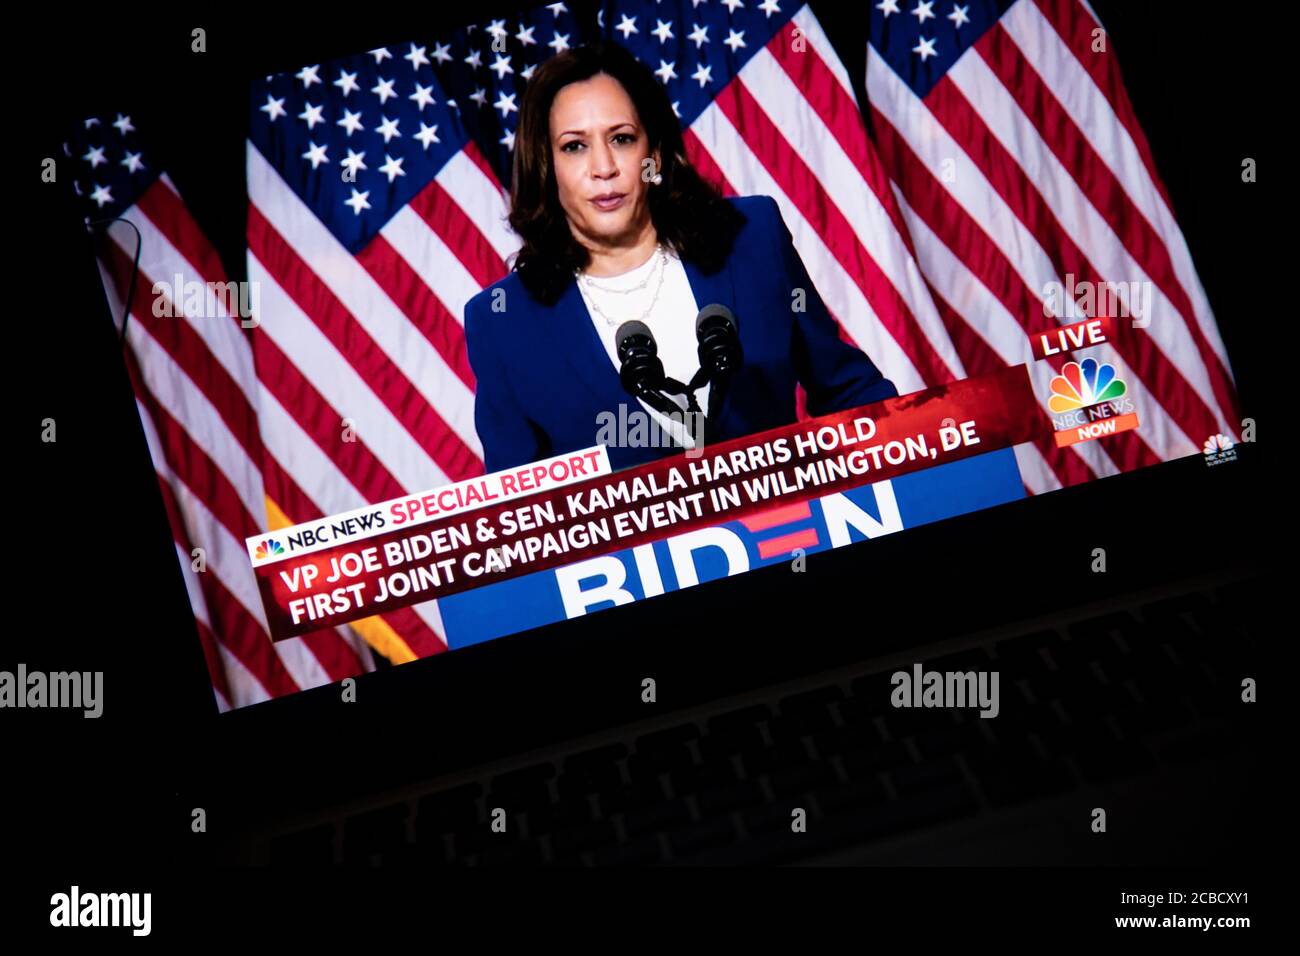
(597, 150)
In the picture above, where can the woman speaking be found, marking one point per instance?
(617, 226)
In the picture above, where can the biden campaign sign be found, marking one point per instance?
(730, 548)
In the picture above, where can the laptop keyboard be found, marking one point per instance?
(1095, 700)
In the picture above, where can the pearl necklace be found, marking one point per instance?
(660, 268)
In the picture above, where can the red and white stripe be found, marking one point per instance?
(1025, 163)
(789, 126)
(197, 396)
(375, 339)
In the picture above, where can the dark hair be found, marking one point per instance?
(689, 214)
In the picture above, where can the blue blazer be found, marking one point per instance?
(543, 375)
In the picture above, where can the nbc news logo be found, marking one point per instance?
(1219, 449)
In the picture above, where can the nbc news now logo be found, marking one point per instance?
(1089, 401)
(1219, 449)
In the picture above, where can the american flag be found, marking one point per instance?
(377, 208)
(1018, 162)
(197, 394)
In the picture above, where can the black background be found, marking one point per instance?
(98, 794)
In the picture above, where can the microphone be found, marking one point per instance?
(719, 337)
(720, 353)
(640, 369)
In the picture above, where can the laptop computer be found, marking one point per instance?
(779, 715)
(777, 692)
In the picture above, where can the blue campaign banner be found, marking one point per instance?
(730, 548)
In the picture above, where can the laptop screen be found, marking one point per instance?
(537, 320)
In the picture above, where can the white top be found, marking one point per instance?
(671, 320)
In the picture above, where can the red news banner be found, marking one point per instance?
(371, 573)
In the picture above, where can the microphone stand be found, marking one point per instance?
(700, 378)
(649, 384)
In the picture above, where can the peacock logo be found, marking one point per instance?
(1217, 443)
(1219, 448)
(1085, 383)
(269, 548)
